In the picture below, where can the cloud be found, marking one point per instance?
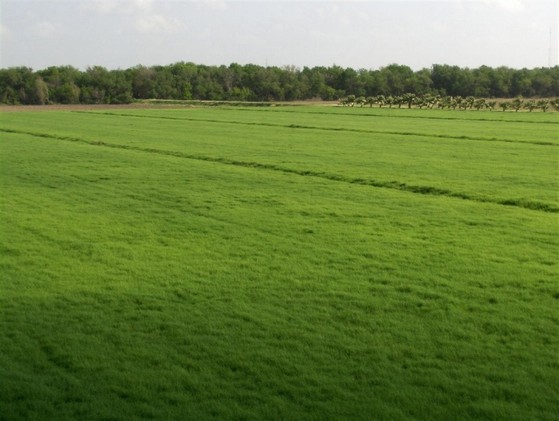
(142, 16)
(139, 6)
(154, 23)
(514, 6)
(46, 29)
(4, 31)
(121, 7)
(213, 4)
(100, 6)
(328, 9)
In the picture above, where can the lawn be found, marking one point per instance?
(289, 263)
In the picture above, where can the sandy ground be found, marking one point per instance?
(80, 107)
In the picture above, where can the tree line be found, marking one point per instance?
(450, 102)
(250, 82)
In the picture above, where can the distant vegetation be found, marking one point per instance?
(189, 81)
(430, 101)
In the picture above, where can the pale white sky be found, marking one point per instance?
(351, 33)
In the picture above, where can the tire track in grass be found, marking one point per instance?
(334, 129)
(394, 185)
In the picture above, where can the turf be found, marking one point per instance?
(220, 264)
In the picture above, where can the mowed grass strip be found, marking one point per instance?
(517, 174)
(142, 285)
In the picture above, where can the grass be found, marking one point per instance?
(174, 265)
(474, 169)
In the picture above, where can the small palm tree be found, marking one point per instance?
(419, 102)
(543, 104)
(444, 103)
(430, 100)
(469, 102)
(479, 104)
(454, 102)
(360, 100)
(491, 105)
(408, 99)
(530, 105)
(517, 104)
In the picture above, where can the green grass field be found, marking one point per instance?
(279, 263)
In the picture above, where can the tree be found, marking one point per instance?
(164, 86)
(431, 100)
(68, 93)
(479, 104)
(452, 80)
(468, 102)
(530, 105)
(421, 83)
(442, 85)
(184, 77)
(290, 83)
(500, 85)
(399, 100)
(419, 102)
(482, 81)
(521, 83)
(543, 81)
(41, 91)
(9, 81)
(543, 104)
(96, 85)
(444, 102)
(456, 102)
(351, 83)
(348, 101)
(143, 82)
(263, 82)
(516, 104)
(20, 85)
(399, 79)
(491, 105)
(408, 98)
(62, 84)
(380, 100)
(360, 100)
(120, 88)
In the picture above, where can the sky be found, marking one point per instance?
(362, 34)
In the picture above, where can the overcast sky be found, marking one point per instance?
(360, 34)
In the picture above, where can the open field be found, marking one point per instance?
(279, 263)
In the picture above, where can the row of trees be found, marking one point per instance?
(184, 81)
(449, 102)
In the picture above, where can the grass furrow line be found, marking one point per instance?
(394, 185)
(334, 129)
(395, 116)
